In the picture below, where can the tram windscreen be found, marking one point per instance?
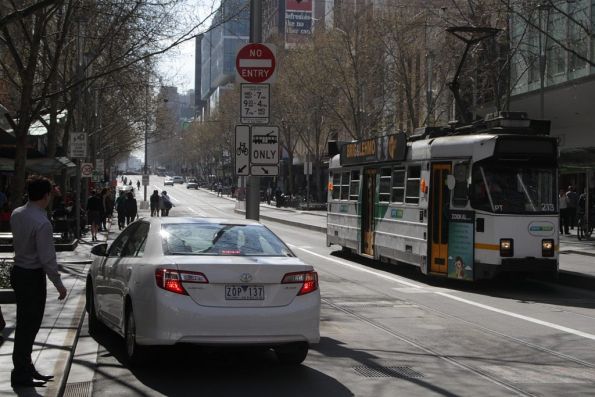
(512, 189)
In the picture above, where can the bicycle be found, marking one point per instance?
(584, 228)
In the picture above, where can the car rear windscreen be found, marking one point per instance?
(221, 239)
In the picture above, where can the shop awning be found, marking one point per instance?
(43, 165)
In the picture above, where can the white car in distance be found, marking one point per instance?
(204, 281)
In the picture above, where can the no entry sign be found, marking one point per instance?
(255, 63)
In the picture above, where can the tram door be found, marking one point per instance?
(368, 194)
(438, 222)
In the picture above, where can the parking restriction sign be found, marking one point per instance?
(255, 103)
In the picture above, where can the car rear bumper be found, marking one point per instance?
(178, 319)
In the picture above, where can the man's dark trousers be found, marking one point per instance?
(30, 293)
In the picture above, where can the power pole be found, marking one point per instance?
(253, 186)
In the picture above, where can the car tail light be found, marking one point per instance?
(309, 281)
(171, 280)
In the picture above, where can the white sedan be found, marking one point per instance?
(204, 281)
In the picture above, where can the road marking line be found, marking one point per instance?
(462, 300)
(520, 316)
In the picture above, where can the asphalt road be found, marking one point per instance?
(385, 331)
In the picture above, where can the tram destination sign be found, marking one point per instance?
(374, 150)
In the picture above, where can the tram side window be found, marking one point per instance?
(354, 186)
(384, 191)
(413, 178)
(460, 191)
(398, 185)
(345, 186)
(336, 186)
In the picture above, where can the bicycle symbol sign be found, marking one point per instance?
(242, 149)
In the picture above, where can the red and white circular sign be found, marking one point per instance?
(255, 63)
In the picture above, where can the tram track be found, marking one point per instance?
(482, 330)
(449, 359)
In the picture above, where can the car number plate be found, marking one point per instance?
(244, 292)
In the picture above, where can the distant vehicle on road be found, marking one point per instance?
(192, 184)
(168, 181)
(178, 179)
(160, 171)
(233, 283)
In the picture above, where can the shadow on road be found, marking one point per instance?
(188, 370)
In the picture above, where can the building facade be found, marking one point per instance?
(553, 77)
(229, 31)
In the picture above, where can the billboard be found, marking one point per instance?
(298, 21)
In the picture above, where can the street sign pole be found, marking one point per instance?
(253, 186)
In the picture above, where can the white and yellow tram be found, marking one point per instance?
(463, 203)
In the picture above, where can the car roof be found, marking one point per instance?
(199, 220)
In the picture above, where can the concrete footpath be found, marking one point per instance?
(56, 340)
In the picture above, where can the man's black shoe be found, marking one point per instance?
(25, 382)
(36, 375)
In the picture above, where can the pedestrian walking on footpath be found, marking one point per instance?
(121, 210)
(154, 201)
(34, 258)
(130, 208)
(138, 185)
(104, 205)
(165, 204)
(563, 203)
(572, 197)
(94, 211)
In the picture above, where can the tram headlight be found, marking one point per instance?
(506, 247)
(547, 247)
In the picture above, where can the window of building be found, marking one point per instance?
(413, 179)
(557, 61)
(345, 186)
(533, 69)
(398, 194)
(354, 186)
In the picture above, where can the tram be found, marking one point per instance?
(465, 203)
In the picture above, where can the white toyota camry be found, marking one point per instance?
(204, 281)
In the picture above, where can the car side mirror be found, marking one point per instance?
(99, 249)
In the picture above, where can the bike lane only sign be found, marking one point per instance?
(242, 150)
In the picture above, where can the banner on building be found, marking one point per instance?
(298, 21)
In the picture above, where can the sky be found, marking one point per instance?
(176, 66)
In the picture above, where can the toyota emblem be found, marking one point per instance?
(246, 277)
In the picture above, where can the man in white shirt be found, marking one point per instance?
(35, 257)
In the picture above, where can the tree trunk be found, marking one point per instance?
(20, 163)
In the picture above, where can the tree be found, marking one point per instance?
(53, 61)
